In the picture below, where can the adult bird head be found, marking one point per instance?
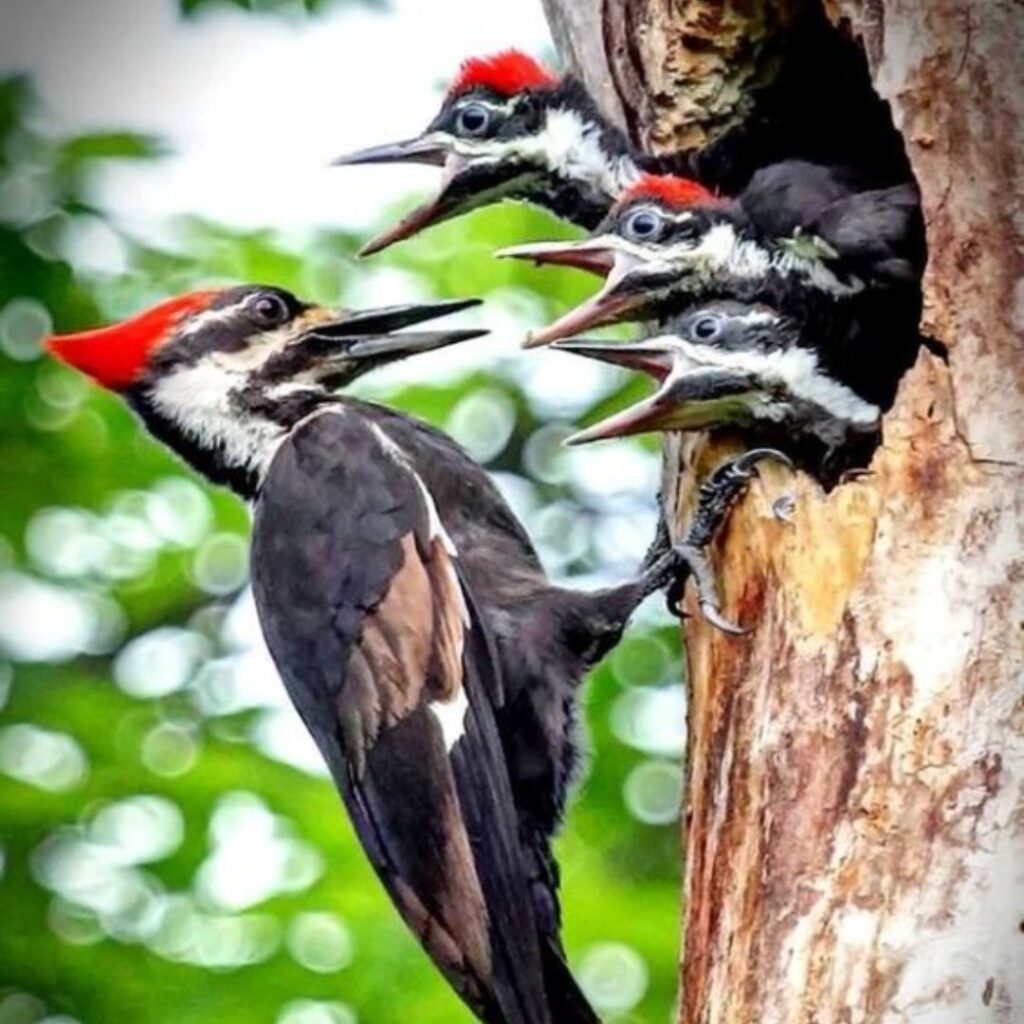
(663, 238)
(252, 336)
(221, 375)
(731, 364)
(510, 128)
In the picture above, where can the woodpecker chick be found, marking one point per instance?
(731, 364)
(800, 238)
(511, 129)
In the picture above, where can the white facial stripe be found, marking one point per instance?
(197, 399)
(209, 317)
(571, 148)
(757, 318)
(722, 253)
(796, 369)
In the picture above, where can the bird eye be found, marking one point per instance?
(269, 310)
(706, 328)
(643, 225)
(473, 119)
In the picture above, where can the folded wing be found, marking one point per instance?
(383, 653)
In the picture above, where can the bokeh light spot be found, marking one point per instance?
(482, 423)
(24, 323)
(642, 661)
(41, 621)
(159, 662)
(169, 750)
(65, 542)
(139, 830)
(254, 855)
(40, 758)
(652, 719)
(21, 1008)
(544, 457)
(653, 792)
(614, 977)
(320, 942)
(221, 564)
(74, 924)
(309, 1011)
(179, 512)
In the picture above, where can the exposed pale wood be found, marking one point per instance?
(855, 833)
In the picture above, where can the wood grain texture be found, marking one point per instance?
(855, 833)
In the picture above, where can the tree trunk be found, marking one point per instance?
(855, 832)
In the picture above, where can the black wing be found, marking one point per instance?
(388, 663)
(879, 233)
(791, 195)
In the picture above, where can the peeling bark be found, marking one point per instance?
(855, 834)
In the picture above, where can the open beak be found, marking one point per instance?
(448, 202)
(608, 255)
(391, 318)
(691, 401)
(595, 255)
(650, 357)
(369, 335)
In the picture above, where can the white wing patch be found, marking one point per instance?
(451, 716)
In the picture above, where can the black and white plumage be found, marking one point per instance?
(745, 366)
(509, 128)
(432, 660)
(802, 239)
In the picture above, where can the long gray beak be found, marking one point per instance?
(421, 150)
(387, 348)
(693, 401)
(374, 335)
(391, 318)
(648, 357)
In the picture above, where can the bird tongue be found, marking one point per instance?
(430, 212)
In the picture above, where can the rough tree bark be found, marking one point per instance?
(855, 829)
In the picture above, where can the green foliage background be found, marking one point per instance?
(97, 930)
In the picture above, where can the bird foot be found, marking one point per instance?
(689, 558)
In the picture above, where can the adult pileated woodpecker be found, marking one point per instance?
(509, 128)
(414, 628)
(738, 365)
(801, 238)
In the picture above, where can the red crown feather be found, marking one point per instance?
(506, 73)
(667, 189)
(116, 356)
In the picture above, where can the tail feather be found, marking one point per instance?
(565, 998)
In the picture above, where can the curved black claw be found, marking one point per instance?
(746, 464)
(784, 508)
(714, 500)
(693, 562)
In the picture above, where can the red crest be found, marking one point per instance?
(667, 189)
(115, 356)
(506, 73)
